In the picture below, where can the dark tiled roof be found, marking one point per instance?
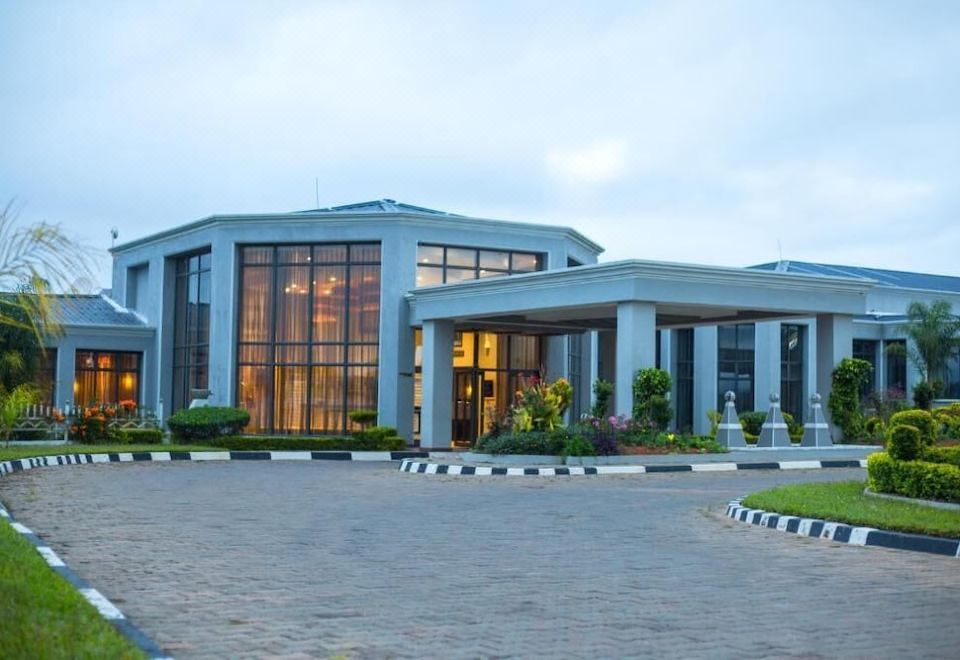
(95, 310)
(376, 206)
(888, 278)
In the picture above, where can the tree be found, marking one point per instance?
(20, 351)
(35, 261)
(933, 330)
(11, 407)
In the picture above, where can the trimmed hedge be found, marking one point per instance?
(949, 455)
(904, 443)
(921, 420)
(308, 443)
(136, 436)
(547, 443)
(208, 422)
(929, 481)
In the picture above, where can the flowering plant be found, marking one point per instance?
(539, 406)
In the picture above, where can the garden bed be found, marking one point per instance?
(845, 502)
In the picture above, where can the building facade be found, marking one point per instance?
(433, 319)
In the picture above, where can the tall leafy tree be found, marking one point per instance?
(934, 332)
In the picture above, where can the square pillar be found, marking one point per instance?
(705, 395)
(636, 349)
(766, 365)
(436, 412)
(834, 342)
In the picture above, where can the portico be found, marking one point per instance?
(635, 299)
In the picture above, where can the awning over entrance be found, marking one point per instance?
(633, 297)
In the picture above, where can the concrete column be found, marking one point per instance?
(704, 377)
(636, 348)
(437, 409)
(766, 366)
(834, 342)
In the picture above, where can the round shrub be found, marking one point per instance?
(205, 423)
(921, 420)
(904, 443)
(844, 401)
(752, 421)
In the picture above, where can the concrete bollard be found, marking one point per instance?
(816, 432)
(774, 431)
(729, 431)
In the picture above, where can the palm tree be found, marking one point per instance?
(35, 261)
(934, 332)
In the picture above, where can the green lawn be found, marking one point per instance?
(43, 616)
(844, 501)
(21, 451)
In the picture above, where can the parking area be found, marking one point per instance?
(359, 560)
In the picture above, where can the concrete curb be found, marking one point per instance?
(842, 532)
(422, 467)
(20, 464)
(107, 610)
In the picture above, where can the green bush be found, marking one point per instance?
(375, 433)
(191, 424)
(874, 428)
(578, 446)
(950, 455)
(549, 443)
(308, 443)
(929, 481)
(924, 393)
(651, 387)
(844, 402)
(921, 420)
(136, 436)
(904, 442)
(752, 421)
(363, 417)
(602, 391)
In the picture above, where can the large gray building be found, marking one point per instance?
(431, 318)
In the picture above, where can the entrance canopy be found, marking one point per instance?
(586, 297)
(632, 297)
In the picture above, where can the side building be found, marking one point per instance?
(432, 318)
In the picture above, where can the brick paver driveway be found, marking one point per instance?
(318, 560)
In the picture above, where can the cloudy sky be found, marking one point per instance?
(704, 131)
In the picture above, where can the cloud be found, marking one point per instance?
(598, 162)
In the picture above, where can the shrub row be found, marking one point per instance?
(309, 443)
(200, 424)
(549, 443)
(948, 455)
(929, 481)
(135, 437)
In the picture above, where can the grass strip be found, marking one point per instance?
(844, 501)
(43, 616)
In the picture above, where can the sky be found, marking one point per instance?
(727, 133)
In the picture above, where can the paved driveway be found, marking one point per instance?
(318, 560)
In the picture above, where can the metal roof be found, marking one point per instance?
(887, 278)
(377, 206)
(95, 310)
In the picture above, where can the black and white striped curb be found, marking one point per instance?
(18, 465)
(843, 533)
(107, 610)
(422, 467)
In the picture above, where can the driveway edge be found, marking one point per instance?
(423, 467)
(107, 610)
(843, 532)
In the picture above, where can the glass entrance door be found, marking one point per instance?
(464, 406)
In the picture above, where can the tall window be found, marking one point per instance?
(685, 379)
(866, 349)
(47, 377)
(895, 357)
(951, 376)
(106, 377)
(574, 371)
(791, 370)
(191, 339)
(735, 353)
(439, 264)
(309, 335)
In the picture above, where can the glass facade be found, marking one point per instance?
(866, 349)
(441, 264)
(487, 369)
(574, 373)
(791, 370)
(191, 339)
(685, 379)
(951, 376)
(106, 377)
(735, 364)
(309, 332)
